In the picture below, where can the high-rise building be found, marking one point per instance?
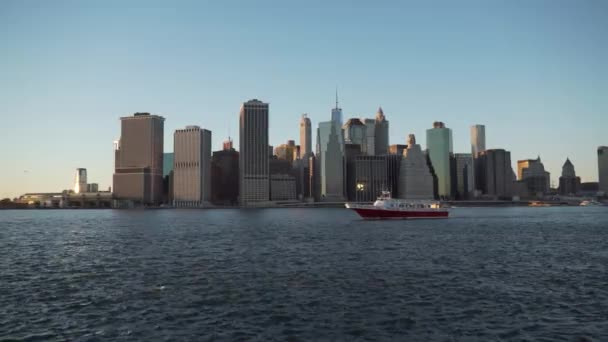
(494, 173)
(331, 161)
(478, 139)
(191, 167)
(532, 172)
(354, 132)
(305, 137)
(464, 175)
(415, 178)
(439, 147)
(351, 152)
(374, 174)
(569, 183)
(286, 151)
(602, 164)
(225, 176)
(313, 175)
(381, 134)
(138, 159)
(336, 113)
(397, 149)
(370, 137)
(167, 163)
(254, 153)
(227, 145)
(80, 181)
(282, 187)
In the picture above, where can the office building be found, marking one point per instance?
(286, 151)
(602, 164)
(439, 147)
(305, 137)
(225, 176)
(370, 137)
(354, 132)
(351, 152)
(374, 174)
(569, 183)
(254, 153)
(415, 177)
(478, 139)
(191, 167)
(464, 176)
(331, 161)
(336, 113)
(282, 187)
(397, 149)
(495, 174)
(138, 160)
(80, 181)
(381, 134)
(532, 172)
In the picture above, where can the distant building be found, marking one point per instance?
(589, 188)
(381, 134)
(375, 174)
(494, 173)
(331, 161)
(336, 113)
(282, 187)
(370, 137)
(351, 152)
(313, 176)
(415, 177)
(254, 153)
(286, 151)
(478, 139)
(225, 176)
(354, 132)
(439, 147)
(532, 172)
(138, 171)
(602, 164)
(92, 187)
(227, 145)
(397, 149)
(192, 167)
(305, 137)
(569, 183)
(167, 163)
(464, 175)
(80, 181)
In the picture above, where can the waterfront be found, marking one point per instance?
(262, 274)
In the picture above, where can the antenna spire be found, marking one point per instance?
(336, 96)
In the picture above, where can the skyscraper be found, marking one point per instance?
(354, 132)
(532, 172)
(305, 137)
(331, 161)
(225, 175)
(80, 181)
(381, 134)
(495, 173)
(439, 146)
(254, 153)
(602, 164)
(464, 175)
(192, 167)
(370, 137)
(138, 159)
(336, 113)
(569, 184)
(286, 151)
(478, 139)
(415, 178)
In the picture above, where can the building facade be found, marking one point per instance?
(478, 139)
(569, 183)
(374, 174)
(464, 177)
(370, 137)
(602, 164)
(80, 181)
(354, 132)
(495, 174)
(288, 151)
(225, 176)
(532, 173)
(305, 136)
(331, 161)
(138, 160)
(381, 134)
(439, 148)
(254, 153)
(191, 167)
(415, 177)
(282, 187)
(397, 149)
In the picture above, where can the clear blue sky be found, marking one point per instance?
(534, 72)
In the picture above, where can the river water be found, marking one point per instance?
(513, 274)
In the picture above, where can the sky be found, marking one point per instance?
(534, 72)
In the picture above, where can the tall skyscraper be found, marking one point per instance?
(331, 161)
(478, 139)
(225, 175)
(381, 134)
(439, 146)
(370, 137)
(286, 151)
(254, 153)
(354, 132)
(464, 175)
(415, 178)
(602, 164)
(305, 137)
(80, 181)
(495, 173)
(569, 184)
(336, 113)
(192, 167)
(138, 159)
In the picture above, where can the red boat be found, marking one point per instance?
(386, 207)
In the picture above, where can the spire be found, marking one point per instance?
(337, 97)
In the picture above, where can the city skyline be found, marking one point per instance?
(66, 84)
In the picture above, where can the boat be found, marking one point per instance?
(386, 207)
(538, 204)
(591, 203)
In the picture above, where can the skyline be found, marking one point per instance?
(536, 82)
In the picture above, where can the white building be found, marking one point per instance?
(415, 178)
(80, 181)
(191, 167)
(305, 137)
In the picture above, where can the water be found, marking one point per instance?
(529, 274)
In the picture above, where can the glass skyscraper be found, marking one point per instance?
(439, 146)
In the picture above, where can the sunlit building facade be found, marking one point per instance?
(415, 177)
(439, 147)
(305, 136)
(191, 167)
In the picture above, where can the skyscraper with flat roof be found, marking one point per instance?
(138, 159)
(478, 139)
(254, 153)
(305, 136)
(495, 173)
(439, 147)
(381, 134)
(80, 181)
(602, 165)
(192, 167)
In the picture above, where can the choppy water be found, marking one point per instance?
(529, 274)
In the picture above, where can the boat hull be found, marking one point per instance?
(384, 214)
